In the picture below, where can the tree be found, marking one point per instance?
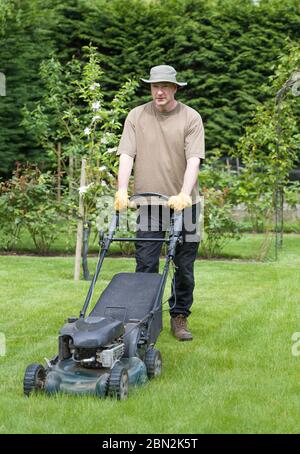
(73, 113)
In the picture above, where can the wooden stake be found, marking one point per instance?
(80, 224)
(228, 165)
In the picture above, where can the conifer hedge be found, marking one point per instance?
(224, 49)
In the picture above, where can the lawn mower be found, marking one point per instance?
(112, 347)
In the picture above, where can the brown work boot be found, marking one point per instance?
(179, 328)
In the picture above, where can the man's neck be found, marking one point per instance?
(167, 108)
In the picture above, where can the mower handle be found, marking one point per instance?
(105, 243)
(148, 194)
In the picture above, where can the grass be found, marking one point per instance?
(237, 376)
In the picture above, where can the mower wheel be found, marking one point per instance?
(34, 378)
(153, 362)
(118, 383)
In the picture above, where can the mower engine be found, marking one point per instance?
(105, 357)
(110, 355)
(94, 342)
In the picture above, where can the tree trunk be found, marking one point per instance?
(80, 224)
(86, 234)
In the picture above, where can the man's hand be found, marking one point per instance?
(180, 201)
(121, 200)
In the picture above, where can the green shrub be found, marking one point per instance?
(219, 187)
(28, 201)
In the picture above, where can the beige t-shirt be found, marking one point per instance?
(161, 143)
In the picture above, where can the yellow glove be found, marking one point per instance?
(180, 201)
(121, 200)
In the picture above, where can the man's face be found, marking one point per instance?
(163, 94)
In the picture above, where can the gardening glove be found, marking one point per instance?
(180, 201)
(121, 200)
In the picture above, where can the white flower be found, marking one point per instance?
(102, 168)
(111, 150)
(104, 140)
(96, 106)
(83, 189)
(87, 131)
(103, 183)
(96, 117)
(94, 86)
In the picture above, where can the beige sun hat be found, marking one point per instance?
(163, 73)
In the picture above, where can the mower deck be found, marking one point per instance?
(70, 378)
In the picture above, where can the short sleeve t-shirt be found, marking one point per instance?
(161, 143)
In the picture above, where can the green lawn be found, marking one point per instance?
(237, 376)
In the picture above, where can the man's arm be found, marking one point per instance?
(125, 168)
(191, 175)
(184, 199)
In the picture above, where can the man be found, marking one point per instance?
(166, 139)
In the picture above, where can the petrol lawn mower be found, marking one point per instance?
(112, 347)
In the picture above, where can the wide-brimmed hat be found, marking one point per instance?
(163, 73)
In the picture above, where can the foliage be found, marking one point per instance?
(270, 145)
(25, 40)
(102, 134)
(219, 188)
(10, 226)
(225, 49)
(73, 112)
(292, 194)
(28, 201)
(219, 226)
(127, 229)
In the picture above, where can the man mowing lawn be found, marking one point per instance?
(165, 139)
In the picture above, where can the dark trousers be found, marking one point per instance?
(153, 222)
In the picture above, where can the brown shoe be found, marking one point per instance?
(179, 328)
